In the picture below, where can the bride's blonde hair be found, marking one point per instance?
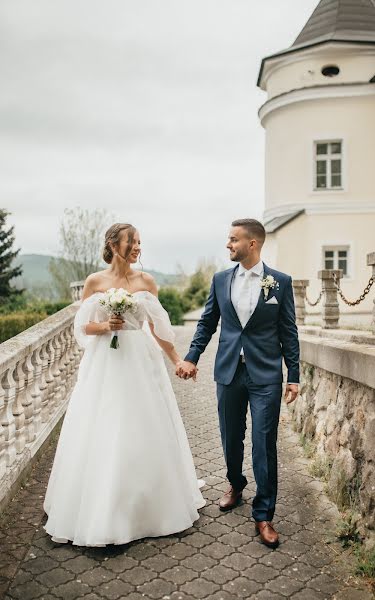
(113, 236)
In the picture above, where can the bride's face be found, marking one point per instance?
(133, 247)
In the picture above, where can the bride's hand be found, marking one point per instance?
(114, 323)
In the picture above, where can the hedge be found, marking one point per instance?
(14, 323)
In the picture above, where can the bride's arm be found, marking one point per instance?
(168, 347)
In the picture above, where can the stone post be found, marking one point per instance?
(371, 263)
(76, 289)
(299, 288)
(330, 309)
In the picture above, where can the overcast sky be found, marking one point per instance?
(147, 108)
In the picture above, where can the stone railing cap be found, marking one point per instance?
(327, 273)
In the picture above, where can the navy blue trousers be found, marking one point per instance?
(264, 401)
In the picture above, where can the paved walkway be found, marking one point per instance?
(220, 558)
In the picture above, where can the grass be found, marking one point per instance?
(366, 563)
(307, 446)
(347, 529)
(321, 468)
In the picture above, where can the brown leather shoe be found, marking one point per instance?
(230, 500)
(267, 533)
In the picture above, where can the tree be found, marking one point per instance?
(197, 290)
(7, 255)
(81, 241)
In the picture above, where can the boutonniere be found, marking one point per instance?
(268, 283)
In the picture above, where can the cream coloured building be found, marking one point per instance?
(319, 121)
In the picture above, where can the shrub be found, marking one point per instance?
(197, 291)
(49, 307)
(14, 323)
(173, 303)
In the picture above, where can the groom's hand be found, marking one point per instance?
(186, 370)
(291, 392)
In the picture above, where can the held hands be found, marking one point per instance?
(291, 392)
(186, 370)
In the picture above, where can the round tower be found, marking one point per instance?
(319, 119)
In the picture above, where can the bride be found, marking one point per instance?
(123, 468)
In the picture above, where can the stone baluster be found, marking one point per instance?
(299, 288)
(371, 263)
(7, 418)
(62, 365)
(56, 369)
(18, 409)
(50, 378)
(43, 384)
(330, 308)
(3, 463)
(27, 398)
(36, 393)
(73, 356)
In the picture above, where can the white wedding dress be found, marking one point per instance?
(123, 468)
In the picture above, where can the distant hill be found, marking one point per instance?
(37, 279)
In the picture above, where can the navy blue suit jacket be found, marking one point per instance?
(269, 336)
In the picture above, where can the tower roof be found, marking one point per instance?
(342, 20)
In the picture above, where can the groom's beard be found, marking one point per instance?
(237, 256)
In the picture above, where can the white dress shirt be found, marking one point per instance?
(251, 289)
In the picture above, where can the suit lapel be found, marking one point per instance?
(228, 292)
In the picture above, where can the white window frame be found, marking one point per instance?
(335, 249)
(329, 158)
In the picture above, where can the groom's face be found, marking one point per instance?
(240, 245)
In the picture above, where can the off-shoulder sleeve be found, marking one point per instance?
(88, 311)
(158, 316)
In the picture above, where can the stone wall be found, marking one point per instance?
(336, 413)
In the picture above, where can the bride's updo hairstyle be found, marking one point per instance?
(113, 235)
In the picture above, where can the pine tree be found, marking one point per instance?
(7, 255)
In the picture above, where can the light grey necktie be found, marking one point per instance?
(243, 306)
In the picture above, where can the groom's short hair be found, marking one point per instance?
(253, 228)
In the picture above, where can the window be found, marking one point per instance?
(336, 257)
(330, 71)
(328, 165)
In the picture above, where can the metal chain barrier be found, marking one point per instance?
(362, 296)
(316, 302)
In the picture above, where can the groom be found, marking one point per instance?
(258, 329)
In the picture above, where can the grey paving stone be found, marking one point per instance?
(242, 587)
(200, 588)
(218, 558)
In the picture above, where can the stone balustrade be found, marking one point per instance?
(37, 372)
(329, 296)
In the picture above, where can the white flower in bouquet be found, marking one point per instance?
(117, 301)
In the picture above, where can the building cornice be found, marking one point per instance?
(306, 49)
(320, 208)
(318, 92)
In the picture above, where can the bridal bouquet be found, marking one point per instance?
(117, 302)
